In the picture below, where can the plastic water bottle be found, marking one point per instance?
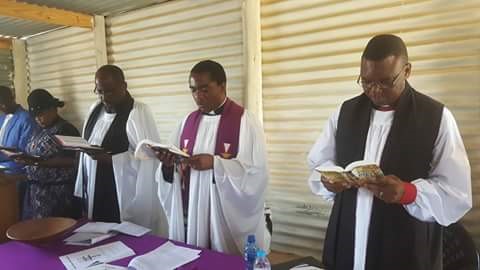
(250, 252)
(262, 263)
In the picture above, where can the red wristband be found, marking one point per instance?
(409, 194)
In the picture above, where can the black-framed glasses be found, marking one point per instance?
(385, 84)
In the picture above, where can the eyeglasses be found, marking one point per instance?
(385, 84)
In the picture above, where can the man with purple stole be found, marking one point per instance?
(394, 221)
(215, 199)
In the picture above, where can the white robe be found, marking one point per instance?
(444, 197)
(135, 179)
(221, 215)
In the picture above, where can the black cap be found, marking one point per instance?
(40, 100)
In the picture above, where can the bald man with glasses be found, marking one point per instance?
(393, 221)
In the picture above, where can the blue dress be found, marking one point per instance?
(19, 130)
(49, 190)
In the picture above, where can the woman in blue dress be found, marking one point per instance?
(50, 178)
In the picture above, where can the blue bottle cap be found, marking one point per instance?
(261, 254)
(251, 238)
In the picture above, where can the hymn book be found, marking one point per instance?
(94, 232)
(13, 153)
(354, 171)
(76, 143)
(146, 149)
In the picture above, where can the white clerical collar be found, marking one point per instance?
(218, 110)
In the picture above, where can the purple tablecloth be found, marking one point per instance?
(20, 256)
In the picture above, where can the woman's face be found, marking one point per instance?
(46, 118)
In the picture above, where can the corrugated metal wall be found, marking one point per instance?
(64, 63)
(311, 55)
(6, 67)
(157, 47)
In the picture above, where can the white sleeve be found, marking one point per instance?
(169, 194)
(135, 179)
(446, 195)
(323, 154)
(242, 181)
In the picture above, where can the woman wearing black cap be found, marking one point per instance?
(51, 178)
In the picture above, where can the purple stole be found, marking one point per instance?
(226, 145)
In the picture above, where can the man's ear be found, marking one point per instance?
(408, 70)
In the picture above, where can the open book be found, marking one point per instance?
(353, 172)
(94, 232)
(76, 144)
(13, 153)
(145, 150)
(87, 238)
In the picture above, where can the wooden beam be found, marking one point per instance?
(12, 8)
(5, 43)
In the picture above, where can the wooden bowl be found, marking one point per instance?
(39, 231)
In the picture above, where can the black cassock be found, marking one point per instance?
(105, 202)
(396, 240)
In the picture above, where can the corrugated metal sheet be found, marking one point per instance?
(104, 7)
(157, 47)
(18, 28)
(311, 55)
(64, 63)
(6, 67)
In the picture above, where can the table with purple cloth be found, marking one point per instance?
(16, 255)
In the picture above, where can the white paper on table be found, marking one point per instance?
(105, 266)
(97, 255)
(305, 267)
(109, 227)
(168, 255)
(96, 227)
(131, 229)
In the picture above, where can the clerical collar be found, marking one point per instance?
(124, 106)
(384, 108)
(217, 111)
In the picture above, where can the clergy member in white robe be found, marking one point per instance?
(114, 185)
(394, 224)
(227, 178)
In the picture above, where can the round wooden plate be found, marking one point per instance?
(39, 230)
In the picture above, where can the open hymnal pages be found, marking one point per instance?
(75, 143)
(168, 255)
(353, 172)
(145, 150)
(96, 256)
(94, 232)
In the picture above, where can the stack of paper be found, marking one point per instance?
(168, 255)
(96, 256)
(94, 232)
